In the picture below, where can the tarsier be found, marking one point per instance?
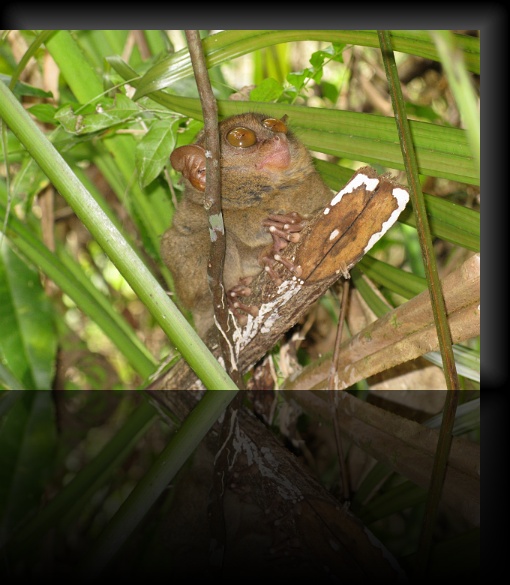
(269, 188)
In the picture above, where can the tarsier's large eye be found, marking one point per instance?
(275, 125)
(241, 137)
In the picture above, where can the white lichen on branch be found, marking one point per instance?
(269, 313)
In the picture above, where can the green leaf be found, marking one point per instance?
(44, 112)
(27, 449)
(317, 61)
(267, 91)
(153, 151)
(227, 45)
(442, 151)
(336, 51)
(28, 343)
(297, 79)
(124, 106)
(106, 113)
(330, 91)
(23, 89)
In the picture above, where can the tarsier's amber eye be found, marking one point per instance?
(275, 125)
(241, 137)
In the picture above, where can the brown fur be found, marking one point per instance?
(273, 176)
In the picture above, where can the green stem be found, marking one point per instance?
(111, 240)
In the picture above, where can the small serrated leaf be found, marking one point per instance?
(298, 78)
(153, 151)
(104, 114)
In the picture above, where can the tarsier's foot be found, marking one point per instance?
(284, 228)
(238, 308)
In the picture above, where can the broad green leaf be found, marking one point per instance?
(442, 151)
(28, 343)
(330, 91)
(74, 282)
(319, 57)
(153, 151)
(27, 449)
(297, 79)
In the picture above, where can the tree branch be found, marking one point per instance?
(212, 203)
(403, 334)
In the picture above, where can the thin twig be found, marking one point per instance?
(333, 375)
(212, 202)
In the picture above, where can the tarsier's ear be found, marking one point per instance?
(190, 161)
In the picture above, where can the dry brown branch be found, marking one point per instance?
(404, 333)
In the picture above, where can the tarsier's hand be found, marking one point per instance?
(284, 228)
(237, 307)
